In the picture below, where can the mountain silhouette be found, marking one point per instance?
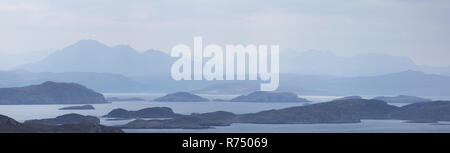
(93, 56)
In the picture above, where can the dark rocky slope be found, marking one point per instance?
(9, 125)
(193, 121)
(341, 111)
(66, 119)
(427, 111)
(337, 111)
(153, 112)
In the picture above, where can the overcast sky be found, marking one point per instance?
(419, 29)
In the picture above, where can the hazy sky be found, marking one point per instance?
(419, 29)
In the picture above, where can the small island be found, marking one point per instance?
(83, 107)
(263, 96)
(181, 97)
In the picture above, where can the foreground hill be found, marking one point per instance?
(337, 111)
(344, 111)
(66, 119)
(154, 112)
(425, 111)
(50, 93)
(9, 125)
(193, 121)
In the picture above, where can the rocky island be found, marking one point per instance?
(50, 93)
(181, 97)
(83, 107)
(153, 112)
(263, 96)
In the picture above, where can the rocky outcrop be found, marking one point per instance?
(263, 96)
(193, 121)
(181, 97)
(153, 112)
(429, 111)
(9, 125)
(66, 119)
(50, 93)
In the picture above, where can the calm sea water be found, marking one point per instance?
(27, 112)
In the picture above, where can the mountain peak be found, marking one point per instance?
(88, 43)
(89, 55)
(123, 47)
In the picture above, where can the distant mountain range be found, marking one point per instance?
(93, 56)
(123, 69)
(402, 83)
(327, 63)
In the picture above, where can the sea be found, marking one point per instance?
(22, 113)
